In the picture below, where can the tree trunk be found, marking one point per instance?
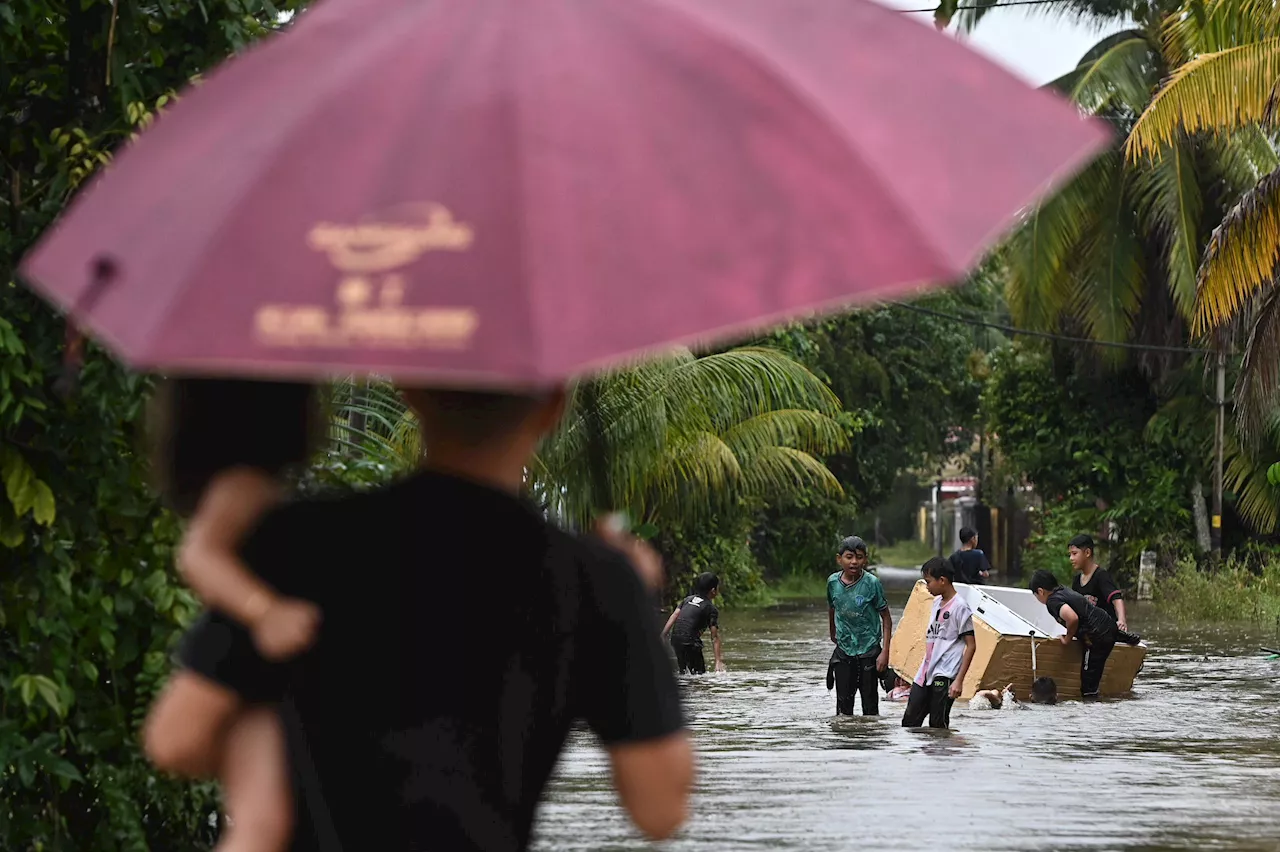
(1201, 514)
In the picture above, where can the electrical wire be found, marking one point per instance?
(986, 6)
(1026, 332)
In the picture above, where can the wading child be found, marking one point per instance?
(1044, 690)
(1094, 582)
(223, 469)
(993, 699)
(861, 628)
(970, 562)
(1097, 631)
(691, 616)
(949, 649)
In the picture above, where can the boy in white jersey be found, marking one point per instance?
(949, 648)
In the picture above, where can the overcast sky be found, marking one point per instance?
(1036, 46)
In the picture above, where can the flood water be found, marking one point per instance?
(1191, 761)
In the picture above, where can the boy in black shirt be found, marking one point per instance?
(427, 753)
(1097, 632)
(970, 563)
(1094, 582)
(691, 616)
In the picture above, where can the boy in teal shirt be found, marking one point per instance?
(861, 628)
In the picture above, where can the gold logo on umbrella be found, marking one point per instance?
(391, 240)
(370, 253)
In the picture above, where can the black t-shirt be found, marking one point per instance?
(411, 723)
(968, 563)
(695, 615)
(1102, 587)
(1094, 623)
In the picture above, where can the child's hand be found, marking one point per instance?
(1064, 639)
(954, 691)
(287, 626)
(720, 669)
(643, 557)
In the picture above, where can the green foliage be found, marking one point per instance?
(1046, 549)
(89, 606)
(1096, 446)
(722, 547)
(910, 553)
(1237, 592)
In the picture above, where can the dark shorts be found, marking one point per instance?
(856, 676)
(689, 659)
(932, 701)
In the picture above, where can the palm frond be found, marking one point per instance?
(1218, 91)
(786, 470)
(809, 431)
(1241, 257)
(1041, 254)
(1257, 390)
(1114, 276)
(1172, 206)
(1123, 76)
(1256, 499)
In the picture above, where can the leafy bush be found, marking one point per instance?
(1234, 593)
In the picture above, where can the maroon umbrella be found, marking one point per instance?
(512, 191)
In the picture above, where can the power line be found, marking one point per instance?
(987, 5)
(1026, 332)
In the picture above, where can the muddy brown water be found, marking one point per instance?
(1190, 761)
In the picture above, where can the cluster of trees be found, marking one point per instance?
(749, 461)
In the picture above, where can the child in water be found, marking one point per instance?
(691, 616)
(223, 448)
(993, 699)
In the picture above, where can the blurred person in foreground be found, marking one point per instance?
(404, 726)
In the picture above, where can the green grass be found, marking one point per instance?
(904, 554)
(1230, 594)
(799, 585)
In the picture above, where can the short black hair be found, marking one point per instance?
(198, 427)
(853, 544)
(1082, 541)
(1043, 579)
(1044, 690)
(705, 584)
(939, 569)
(967, 534)
(471, 416)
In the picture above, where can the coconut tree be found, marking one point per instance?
(1225, 86)
(684, 436)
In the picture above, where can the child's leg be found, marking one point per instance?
(869, 686)
(917, 706)
(940, 702)
(1091, 667)
(255, 785)
(846, 671)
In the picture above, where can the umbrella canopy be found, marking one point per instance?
(510, 192)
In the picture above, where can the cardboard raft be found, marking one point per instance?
(1006, 623)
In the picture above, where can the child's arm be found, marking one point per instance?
(831, 619)
(1121, 620)
(231, 505)
(957, 685)
(666, 628)
(1071, 621)
(715, 644)
(185, 732)
(886, 631)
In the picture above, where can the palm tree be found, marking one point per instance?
(684, 435)
(1227, 81)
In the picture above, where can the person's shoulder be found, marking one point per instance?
(831, 578)
(875, 581)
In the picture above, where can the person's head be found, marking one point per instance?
(707, 585)
(968, 537)
(939, 575)
(1044, 691)
(1080, 551)
(199, 427)
(852, 555)
(1043, 584)
(491, 424)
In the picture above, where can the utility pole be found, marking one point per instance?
(1215, 521)
(937, 515)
